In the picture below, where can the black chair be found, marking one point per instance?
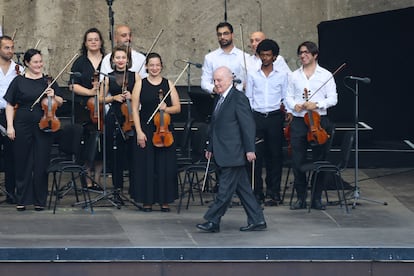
(288, 164)
(316, 168)
(199, 170)
(69, 161)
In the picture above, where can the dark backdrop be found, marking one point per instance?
(378, 46)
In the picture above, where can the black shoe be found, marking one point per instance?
(271, 202)
(254, 227)
(299, 204)
(317, 205)
(165, 209)
(39, 208)
(209, 227)
(20, 208)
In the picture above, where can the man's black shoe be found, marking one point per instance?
(317, 204)
(209, 227)
(299, 204)
(254, 227)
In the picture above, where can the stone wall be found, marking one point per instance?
(188, 25)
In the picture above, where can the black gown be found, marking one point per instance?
(156, 166)
(31, 146)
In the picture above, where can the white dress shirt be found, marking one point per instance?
(234, 60)
(326, 95)
(266, 93)
(5, 80)
(253, 62)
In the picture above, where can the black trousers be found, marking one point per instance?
(300, 145)
(7, 159)
(269, 135)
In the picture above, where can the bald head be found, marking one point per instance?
(123, 35)
(255, 39)
(223, 79)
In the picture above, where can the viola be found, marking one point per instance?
(162, 137)
(316, 134)
(94, 107)
(49, 122)
(126, 109)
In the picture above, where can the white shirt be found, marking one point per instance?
(234, 60)
(326, 95)
(266, 93)
(138, 61)
(5, 80)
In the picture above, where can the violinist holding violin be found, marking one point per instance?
(86, 88)
(118, 86)
(311, 91)
(156, 163)
(31, 144)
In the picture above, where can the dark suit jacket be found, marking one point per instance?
(232, 132)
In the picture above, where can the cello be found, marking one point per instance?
(316, 134)
(162, 137)
(49, 122)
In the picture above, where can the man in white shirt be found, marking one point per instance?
(266, 89)
(227, 55)
(311, 89)
(123, 36)
(9, 70)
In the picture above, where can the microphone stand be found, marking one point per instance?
(111, 22)
(357, 192)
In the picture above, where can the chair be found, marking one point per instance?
(69, 161)
(198, 170)
(315, 168)
(288, 164)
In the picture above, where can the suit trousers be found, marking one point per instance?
(234, 179)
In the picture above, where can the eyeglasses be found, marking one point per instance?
(304, 52)
(223, 34)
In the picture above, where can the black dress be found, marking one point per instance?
(31, 146)
(120, 145)
(156, 166)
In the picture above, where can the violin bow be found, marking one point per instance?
(244, 52)
(150, 49)
(53, 81)
(333, 74)
(205, 174)
(167, 94)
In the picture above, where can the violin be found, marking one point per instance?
(95, 109)
(286, 131)
(316, 134)
(49, 122)
(162, 137)
(126, 109)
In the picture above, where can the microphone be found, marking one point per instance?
(75, 74)
(198, 65)
(364, 80)
(108, 76)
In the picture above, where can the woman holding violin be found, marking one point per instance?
(88, 111)
(118, 86)
(311, 91)
(31, 144)
(156, 156)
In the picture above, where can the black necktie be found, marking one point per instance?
(218, 105)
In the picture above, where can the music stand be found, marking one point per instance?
(357, 192)
(203, 103)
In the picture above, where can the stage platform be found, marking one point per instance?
(372, 234)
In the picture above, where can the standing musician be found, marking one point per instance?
(31, 144)
(227, 55)
(156, 162)
(9, 70)
(266, 90)
(123, 36)
(310, 82)
(118, 86)
(86, 88)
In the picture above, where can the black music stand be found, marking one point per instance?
(357, 192)
(203, 103)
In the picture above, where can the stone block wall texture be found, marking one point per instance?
(189, 25)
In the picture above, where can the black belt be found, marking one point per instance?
(267, 114)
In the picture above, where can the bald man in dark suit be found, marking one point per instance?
(232, 141)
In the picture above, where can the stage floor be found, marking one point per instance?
(369, 231)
